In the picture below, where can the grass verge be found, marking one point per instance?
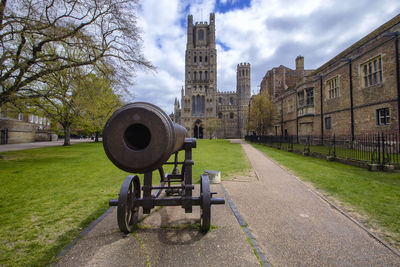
(49, 195)
(373, 195)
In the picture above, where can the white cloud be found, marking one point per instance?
(266, 34)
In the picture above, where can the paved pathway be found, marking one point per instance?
(295, 227)
(166, 238)
(14, 147)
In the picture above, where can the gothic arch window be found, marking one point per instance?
(201, 35)
(203, 104)
(200, 75)
(220, 101)
(220, 115)
(194, 75)
(198, 104)
(205, 59)
(242, 72)
(247, 72)
(206, 75)
(231, 115)
(200, 59)
(194, 59)
(206, 89)
(231, 101)
(193, 105)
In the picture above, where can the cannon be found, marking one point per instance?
(140, 138)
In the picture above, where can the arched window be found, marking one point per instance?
(194, 87)
(206, 75)
(194, 75)
(201, 35)
(242, 72)
(231, 101)
(206, 89)
(220, 101)
(194, 59)
(220, 115)
(193, 105)
(200, 76)
(231, 115)
(198, 104)
(203, 104)
(200, 59)
(247, 72)
(205, 59)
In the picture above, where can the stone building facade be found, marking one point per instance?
(356, 92)
(16, 127)
(200, 99)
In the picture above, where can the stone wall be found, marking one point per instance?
(18, 131)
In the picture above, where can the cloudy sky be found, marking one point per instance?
(265, 33)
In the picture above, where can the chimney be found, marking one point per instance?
(299, 63)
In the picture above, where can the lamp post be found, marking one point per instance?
(322, 106)
(349, 60)
(396, 43)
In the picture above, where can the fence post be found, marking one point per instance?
(334, 145)
(383, 150)
(307, 146)
(379, 149)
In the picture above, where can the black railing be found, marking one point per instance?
(381, 149)
(3, 136)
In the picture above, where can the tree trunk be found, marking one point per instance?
(67, 135)
(3, 4)
(96, 138)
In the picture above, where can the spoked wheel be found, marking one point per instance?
(205, 207)
(127, 212)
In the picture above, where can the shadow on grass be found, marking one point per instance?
(50, 255)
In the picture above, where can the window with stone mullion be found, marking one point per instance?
(310, 96)
(372, 72)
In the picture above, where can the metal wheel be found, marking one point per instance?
(127, 212)
(205, 207)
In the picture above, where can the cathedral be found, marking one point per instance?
(201, 103)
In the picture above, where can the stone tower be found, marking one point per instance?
(198, 101)
(243, 95)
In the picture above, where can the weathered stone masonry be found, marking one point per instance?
(200, 99)
(366, 103)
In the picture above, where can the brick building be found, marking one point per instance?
(200, 99)
(356, 92)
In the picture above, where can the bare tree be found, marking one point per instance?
(100, 29)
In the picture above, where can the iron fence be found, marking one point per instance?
(380, 148)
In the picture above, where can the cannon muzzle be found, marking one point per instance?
(140, 137)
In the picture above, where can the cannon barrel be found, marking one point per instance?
(140, 137)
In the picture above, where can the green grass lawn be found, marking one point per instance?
(372, 194)
(49, 195)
